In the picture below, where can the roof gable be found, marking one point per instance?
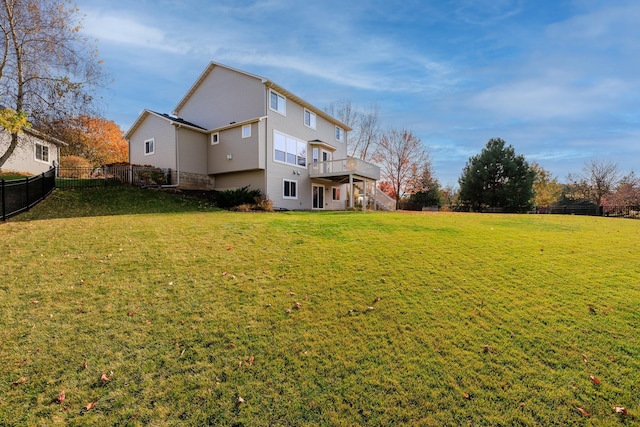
(167, 117)
(204, 75)
(268, 83)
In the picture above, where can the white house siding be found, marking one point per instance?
(223, 97)
(164, 135)
(23, 158)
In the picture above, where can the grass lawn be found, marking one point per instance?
(8, 175)
(153, 309)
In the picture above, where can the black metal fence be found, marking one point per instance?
(109, 176)
(19, 195)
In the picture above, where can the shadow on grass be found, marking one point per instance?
(110, 201)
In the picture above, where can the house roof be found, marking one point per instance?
(268, 83)
(36, 133)
(168, 117)
(324, 144)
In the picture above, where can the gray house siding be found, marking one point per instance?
(164, 135)
(292, 124)
(245, 153)
(24, 158)
(253, 179)
(222, 97)
(192, 148)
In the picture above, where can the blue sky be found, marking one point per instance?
(557, 79)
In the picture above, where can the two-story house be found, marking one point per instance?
(234, 129)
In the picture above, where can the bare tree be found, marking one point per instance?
(598, 178)
(627, 192)
(365, 133)
(47, 68)
(402, 158)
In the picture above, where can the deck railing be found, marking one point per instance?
(350, 166)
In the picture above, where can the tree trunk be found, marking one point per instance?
(10, 150)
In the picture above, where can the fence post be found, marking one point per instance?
(27, 190)
(4, 204)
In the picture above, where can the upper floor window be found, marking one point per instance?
(215, 138)
(42, 152)
(339, 134)
(309, 119)
(277, 102)
(149, 147)
(289, 150)
(246, 131)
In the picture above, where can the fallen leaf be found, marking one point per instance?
(376, 299)
(232, 345)
(297, 305)
(620, 410)
(584, 357)
(34, 302)
(583, 412)
(90, 406)
(22, 380)
(594, 380)
(61, 397)
(466, 396)
(239, 400)
(85, 365)
(131, 313)
(612, 359)
(250, 361)
(104, 378)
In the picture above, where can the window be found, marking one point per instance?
(277, 102)
(246, 131)
(339, 134)
(149, 147)
(336, 193)
(309, 119)
(42, 153)
(289, 150)
(215, 138)
(290, 190)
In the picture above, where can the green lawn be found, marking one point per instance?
(402, 319)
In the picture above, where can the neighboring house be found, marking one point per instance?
(234, 129)
(35, 153)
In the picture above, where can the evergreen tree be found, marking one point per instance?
(497, 178)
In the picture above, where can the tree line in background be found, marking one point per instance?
(496, 179)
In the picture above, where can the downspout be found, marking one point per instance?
(177, 160)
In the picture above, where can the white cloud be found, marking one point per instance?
(116, 27)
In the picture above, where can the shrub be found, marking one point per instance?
(74, 167)
(245, 207)
(263, 204)
(228, 199)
